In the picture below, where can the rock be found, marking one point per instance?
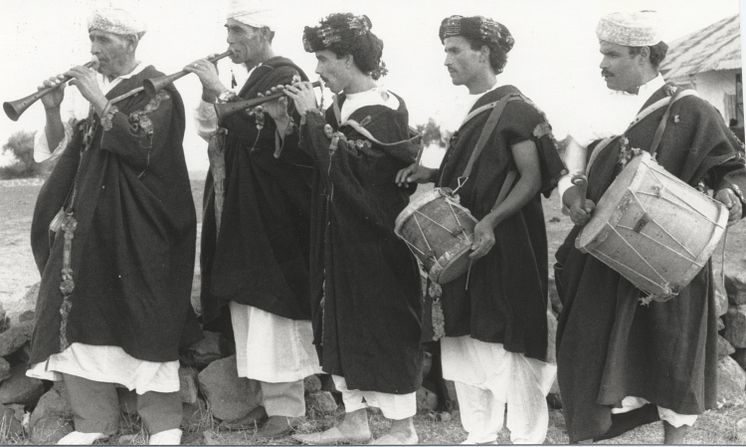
(11, 425)
(19, 389)
(327, 383)
(207, 350)
(25, 304)
(735, 286)
(724, 348)
(735, 326)
(188, 388)
(21, 356)
(721, 325)
(53, 404)
(4, 369)
(29, 315)
(426, 400)
(321, 403)
(228, 396)
(731, 381)
(16, 336)
(739, 355)
(50, 429)
(311, 384)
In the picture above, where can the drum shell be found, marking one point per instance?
(654, 229)
(439, 232)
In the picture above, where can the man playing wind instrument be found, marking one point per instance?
(113, 236)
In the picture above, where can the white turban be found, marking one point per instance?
(117, 20)
(630, 29)
(254, 13)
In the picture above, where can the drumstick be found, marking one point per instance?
(581, 181)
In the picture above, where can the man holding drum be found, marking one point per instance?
(113, 236)
(254, 258)
(365, 287)
(495, 347)
(621, 364)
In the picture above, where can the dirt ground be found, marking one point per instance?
(18, 272)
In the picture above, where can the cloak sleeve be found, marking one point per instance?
(522, 121)
(139, 136)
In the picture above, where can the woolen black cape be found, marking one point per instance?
(506, 299)
(133, 250)
(608, 345)
(260, 257)
(365, 284)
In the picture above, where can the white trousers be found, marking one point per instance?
(630, 403)
(490, 380)
(393, 406)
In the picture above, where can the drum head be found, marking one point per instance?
(606, 214)
(451, 265)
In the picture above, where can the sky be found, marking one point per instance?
(554, 60)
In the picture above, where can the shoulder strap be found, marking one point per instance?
(658, 136)
(680, 93)
(489, 127)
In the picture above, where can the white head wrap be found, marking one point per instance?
(254, 13)
(117, 19)
(631, 29)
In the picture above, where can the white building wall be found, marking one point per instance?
(713, 86)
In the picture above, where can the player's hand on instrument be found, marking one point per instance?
(277, 109)
(53, 99)
(85, 80)
(302, 95)
(484, 239)
(414, 173)
(578, 206)
(732, 202)
(580, 215)
(208, 75)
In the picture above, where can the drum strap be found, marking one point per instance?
(680, 93)
(658, 136)
(489, 127)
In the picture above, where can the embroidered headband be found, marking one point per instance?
(323, 36)
(481, 29)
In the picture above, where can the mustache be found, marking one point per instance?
(606, 73)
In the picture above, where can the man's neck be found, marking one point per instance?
(647, 77)
(262, 57)
(481, 84)
(127, 68)
(359, 83)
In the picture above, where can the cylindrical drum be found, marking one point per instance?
(439, 232)
(653, 229)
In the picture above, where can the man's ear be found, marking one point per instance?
(484, 54)
(645, 53)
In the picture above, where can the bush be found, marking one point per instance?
(21, 146)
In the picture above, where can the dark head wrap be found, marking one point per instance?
(346, 33)
(479, 29)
